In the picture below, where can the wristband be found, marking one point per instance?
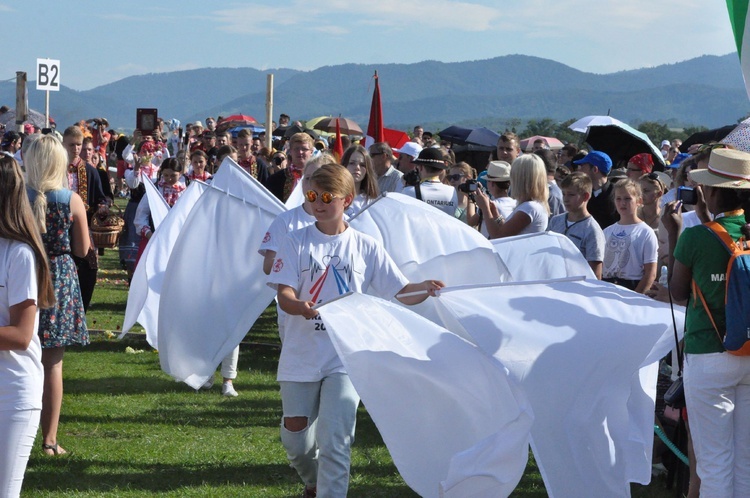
(499, 220)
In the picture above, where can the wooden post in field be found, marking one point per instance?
(269, 110)
(21, 105)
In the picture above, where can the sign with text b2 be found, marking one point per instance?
(48, 75)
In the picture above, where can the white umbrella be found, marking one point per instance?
(582, 124)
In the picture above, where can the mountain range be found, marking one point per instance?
(704, 91)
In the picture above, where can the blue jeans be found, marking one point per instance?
(321, 452)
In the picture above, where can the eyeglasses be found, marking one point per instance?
(326, 197)
(455, 177)
(637, 170)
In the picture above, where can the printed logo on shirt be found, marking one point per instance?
(718, 277)
(341, 275)
(267, 237)
(278, 265)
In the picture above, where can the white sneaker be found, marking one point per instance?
(227, 389)
(209, 384)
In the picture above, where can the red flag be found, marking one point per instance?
(338, 147)
(375, 126)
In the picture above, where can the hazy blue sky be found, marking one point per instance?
(100, 42)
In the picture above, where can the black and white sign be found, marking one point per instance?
(48, 75)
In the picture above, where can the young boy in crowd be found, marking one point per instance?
(577, 224)
(316, 264)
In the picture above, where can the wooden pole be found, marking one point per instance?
(21, 105)
(269, 110)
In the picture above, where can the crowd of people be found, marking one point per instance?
(627, 222)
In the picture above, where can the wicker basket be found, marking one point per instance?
(105, 232)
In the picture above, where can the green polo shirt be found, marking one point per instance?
(701, 251)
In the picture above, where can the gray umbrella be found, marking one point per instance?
(33, 117)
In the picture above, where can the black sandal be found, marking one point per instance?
(56, 450)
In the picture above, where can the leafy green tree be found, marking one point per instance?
(656, 131)
(545, 127)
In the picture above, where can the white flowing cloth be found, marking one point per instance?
(585, 354)
(146, 284)
(214, 286)
(541, 256)
(425, 243)
(145, 287)
(453, 422)
(156, 202)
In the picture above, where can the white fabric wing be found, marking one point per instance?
(156, 202)
(541, 256)
(145, 287)
(586, 355)
(427, 244)
(454, 424)
(214, 287)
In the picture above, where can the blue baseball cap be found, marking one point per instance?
(598, 159)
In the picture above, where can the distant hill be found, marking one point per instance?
(706, 91)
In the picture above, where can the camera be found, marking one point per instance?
(687, 195)
(469, 186)
(278, 160)
(411, 178)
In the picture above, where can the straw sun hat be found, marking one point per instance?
(727, 168)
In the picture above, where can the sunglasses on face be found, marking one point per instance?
(454, 177)
(326, 197)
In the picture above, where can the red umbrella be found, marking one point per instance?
(238, 117)
(234, 121)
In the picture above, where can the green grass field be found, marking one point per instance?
(132, 431)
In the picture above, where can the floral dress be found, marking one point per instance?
(65, 323)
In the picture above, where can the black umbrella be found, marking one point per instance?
(704, 137)
(621, 142)
(455, 134)
(298, 129)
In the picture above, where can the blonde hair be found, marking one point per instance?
(46, 164)
(466, 169)
(655, 181)
(630, 186)
(579, 182)
(301, 138)
(335, 179)
(528, 180)
(17, 223)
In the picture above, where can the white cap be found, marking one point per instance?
(410, 148)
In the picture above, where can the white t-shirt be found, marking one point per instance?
(321, 267)
(21, 373)
(628, 248)
(286, 222)
(505, 205)
(444, 197)
(537, 213)
(358, 203)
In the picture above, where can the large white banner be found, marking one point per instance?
(214, 286)
(586, 355)
(145, 286)
(453, 422)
